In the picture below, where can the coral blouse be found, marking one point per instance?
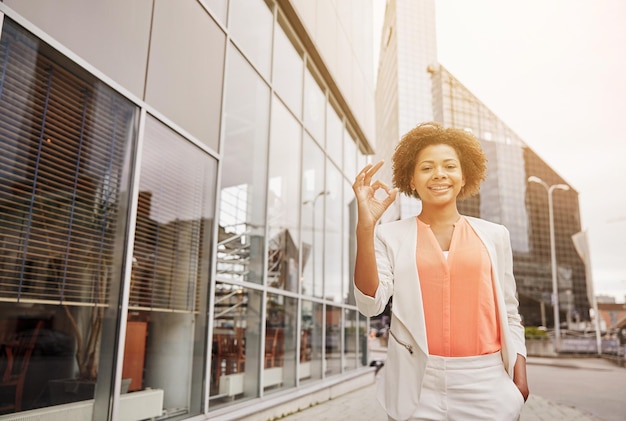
(457, 293)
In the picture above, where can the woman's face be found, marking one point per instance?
(437, 175)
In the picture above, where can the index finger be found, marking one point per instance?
(371, 171)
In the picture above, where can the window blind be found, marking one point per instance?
(174, 219)
(63, 136)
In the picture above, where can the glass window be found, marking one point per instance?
(288, 72)
(363, 354)
(314, 107)
(361, 161)
(351, 338)
(332, 363)
(250, 24)
(169, 280)
(280, 343)
(348, 243)
(64, 180)
(185, 68)
(85, 28)
(218, 8)
(313, 195)
(243, 187)
(283, 199)
(334, 135)
(236, 345)
(333, 234)
(349, 156)
(312, 328)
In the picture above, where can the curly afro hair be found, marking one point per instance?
(467, 147)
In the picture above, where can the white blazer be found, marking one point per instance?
(400, 385)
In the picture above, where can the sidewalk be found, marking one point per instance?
(361, 405)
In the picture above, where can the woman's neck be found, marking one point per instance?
(439, 216)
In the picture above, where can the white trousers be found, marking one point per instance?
(468, 389)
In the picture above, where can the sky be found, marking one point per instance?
(555, 72)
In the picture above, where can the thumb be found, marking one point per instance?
(390, 198)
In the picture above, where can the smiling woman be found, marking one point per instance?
(455, 308)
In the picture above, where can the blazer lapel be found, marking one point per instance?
(407, 297)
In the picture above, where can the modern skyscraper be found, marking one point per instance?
(413, 87)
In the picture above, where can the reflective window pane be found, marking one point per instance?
(314, 107)
(351, 339)
(218, 8)
(186, 68)
(364, 340)
(334, 136)
(236, 345)
(283, 199)
(361, 161)
(333, 235)
(243, 187)
(64, 181)
(332, 362)
(313, 195)
(279, 360)
(288, 72)
(348, 250)
(169, 281)
(250, 24)
(311, 336)
(349, 156)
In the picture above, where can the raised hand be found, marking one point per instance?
(370, 208)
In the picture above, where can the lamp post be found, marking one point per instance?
(555, 287)
(312, 202)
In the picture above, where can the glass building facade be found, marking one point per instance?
(176, 206)
(508, 198)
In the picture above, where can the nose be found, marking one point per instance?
(439, 172)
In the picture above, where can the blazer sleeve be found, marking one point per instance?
(510, 297)
(373, 306)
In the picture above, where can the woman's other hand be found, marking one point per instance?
(519, 376)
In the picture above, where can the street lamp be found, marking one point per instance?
(555, 288)
(312, 202)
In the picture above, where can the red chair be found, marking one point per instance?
(18, 351)
(274, 343)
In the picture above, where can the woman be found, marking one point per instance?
(456, 344)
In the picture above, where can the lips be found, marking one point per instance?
(439, 188)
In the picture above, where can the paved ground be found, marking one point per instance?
(562, 389)
(591, 385)
(361, 405)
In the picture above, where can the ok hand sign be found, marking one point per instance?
(371, 208)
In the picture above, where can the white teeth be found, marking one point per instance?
(439, 188)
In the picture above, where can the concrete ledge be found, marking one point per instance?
(276, 406)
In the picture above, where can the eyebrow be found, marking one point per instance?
(429, 161)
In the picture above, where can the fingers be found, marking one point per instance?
(391, 193)
(390, 198)
(380, 185)
(373, 169)
(365, 175)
